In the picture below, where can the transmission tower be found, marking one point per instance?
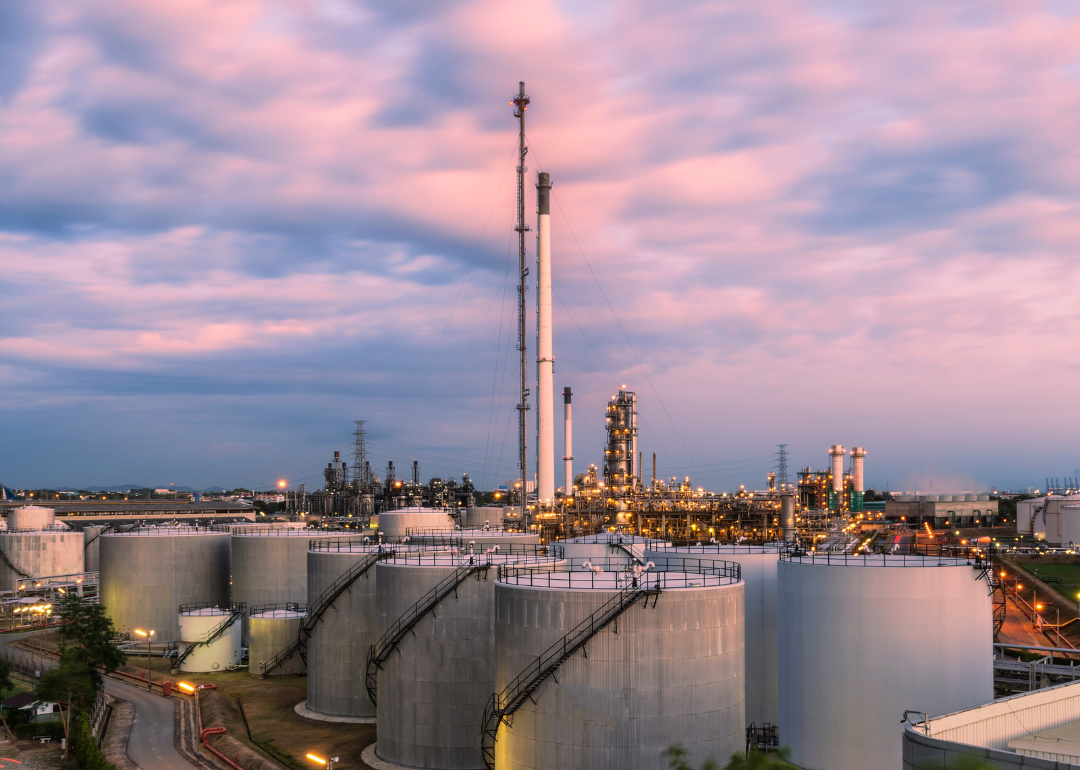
(360, 464)
(781, 466)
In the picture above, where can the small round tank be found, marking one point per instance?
(271, 629)
(862, 638)
(432, 690)
(31, 517)
(147, 574)
(91, 546)
(395, 525)
(198, 624)
(758, 568)
(607, 546)
(491, 515)
(671, 671)
(33, 554)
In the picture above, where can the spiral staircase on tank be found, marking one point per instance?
(502, 705)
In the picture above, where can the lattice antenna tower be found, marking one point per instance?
(361, 469)
(781, 466)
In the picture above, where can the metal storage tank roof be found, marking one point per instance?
(432, 687)
(476, 537)
(394, 525)
(862, 638)
(147, 574)
(31, 554)
(673, 673)
(758, 563)
(31, 517)
(271, 629)
(608, 545)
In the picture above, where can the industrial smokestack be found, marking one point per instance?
(545, 361)
(787, 514)
(857, 455)
(837, 455)
(568, 441)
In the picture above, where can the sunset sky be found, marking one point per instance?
(229, 229)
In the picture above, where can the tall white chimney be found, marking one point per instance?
(545, 360)
(837, 455)
(568, 442)
(857, 455)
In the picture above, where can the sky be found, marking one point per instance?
(230, 229)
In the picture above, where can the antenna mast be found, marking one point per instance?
(521, 103)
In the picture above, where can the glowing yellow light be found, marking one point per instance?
(315, 758)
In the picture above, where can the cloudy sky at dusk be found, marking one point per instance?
(229, 229)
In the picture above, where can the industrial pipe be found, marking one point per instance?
(568, 441)
(545, 360)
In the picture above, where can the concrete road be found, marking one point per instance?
(151, 743)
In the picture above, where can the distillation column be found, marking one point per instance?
(836, 454)
(568, 442)
(545, 361)
(857, 489)
(787, 515)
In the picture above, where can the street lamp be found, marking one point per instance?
(327, 763)
(149, 676)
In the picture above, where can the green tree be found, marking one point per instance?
(5, 685)
(86, 638)
(754, 760)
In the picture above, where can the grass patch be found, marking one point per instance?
(1069, 574)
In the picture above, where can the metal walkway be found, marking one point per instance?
(384, 648)
(319, 608)
(504, 704)
(236, 611)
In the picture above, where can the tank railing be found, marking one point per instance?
(194, 608)
(613, 538)
(773, 546)
(908, 556)
(379, 652)
(346, 544)
(236, 611)
(452, 531)
(261, 609)
(534, 554)
(504, 704)
(51, 528)
(588, 574)
(321, 604)
(277, 531)
(184, 531)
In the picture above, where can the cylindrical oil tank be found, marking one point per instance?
(91, 546)
(198, 624)
(477, 540)
(433, 688)
(271, 629)
(147, 574)
(758, 568)
(491, 515)
(338, 647)
(670, 672)
(862, 638)
(30, 517)
(609, 546)
(269, 565)
(33, 554)
(395, 525)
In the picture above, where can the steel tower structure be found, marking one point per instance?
(520, 101)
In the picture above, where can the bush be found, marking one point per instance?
(54, 730)
(84, 745)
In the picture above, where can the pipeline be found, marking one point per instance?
(204, 732)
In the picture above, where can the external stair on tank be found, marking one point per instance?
(236, 611)
(319, 608)
(384, 648)
(502, 705)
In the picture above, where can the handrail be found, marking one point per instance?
(236, 611)
(319, 607)
(381, 650)
(504, 704)
(262, 609)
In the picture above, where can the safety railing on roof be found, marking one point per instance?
(595, 574)
(285, 607)
(351, 544)
(921, 556)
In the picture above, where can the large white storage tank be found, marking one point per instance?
(862, 638)
(271, 629)
(670, 672)
(147, 574)
(31, 517)
(609, 547)
(197, 625)
(433, 688)
(394, 525)
(26, 554)
(490, 516)
(758, 568)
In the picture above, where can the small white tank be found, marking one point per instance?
(271, 629)
(31, 517)
(394, 525)
(197, 625)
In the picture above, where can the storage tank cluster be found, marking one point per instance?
(34, 545)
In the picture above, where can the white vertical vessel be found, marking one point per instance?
(568, 441)
(545, 360)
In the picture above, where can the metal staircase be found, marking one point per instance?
(236, 611)
(321, 605)
(11, 565)
(381, 650)
(503, 705)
